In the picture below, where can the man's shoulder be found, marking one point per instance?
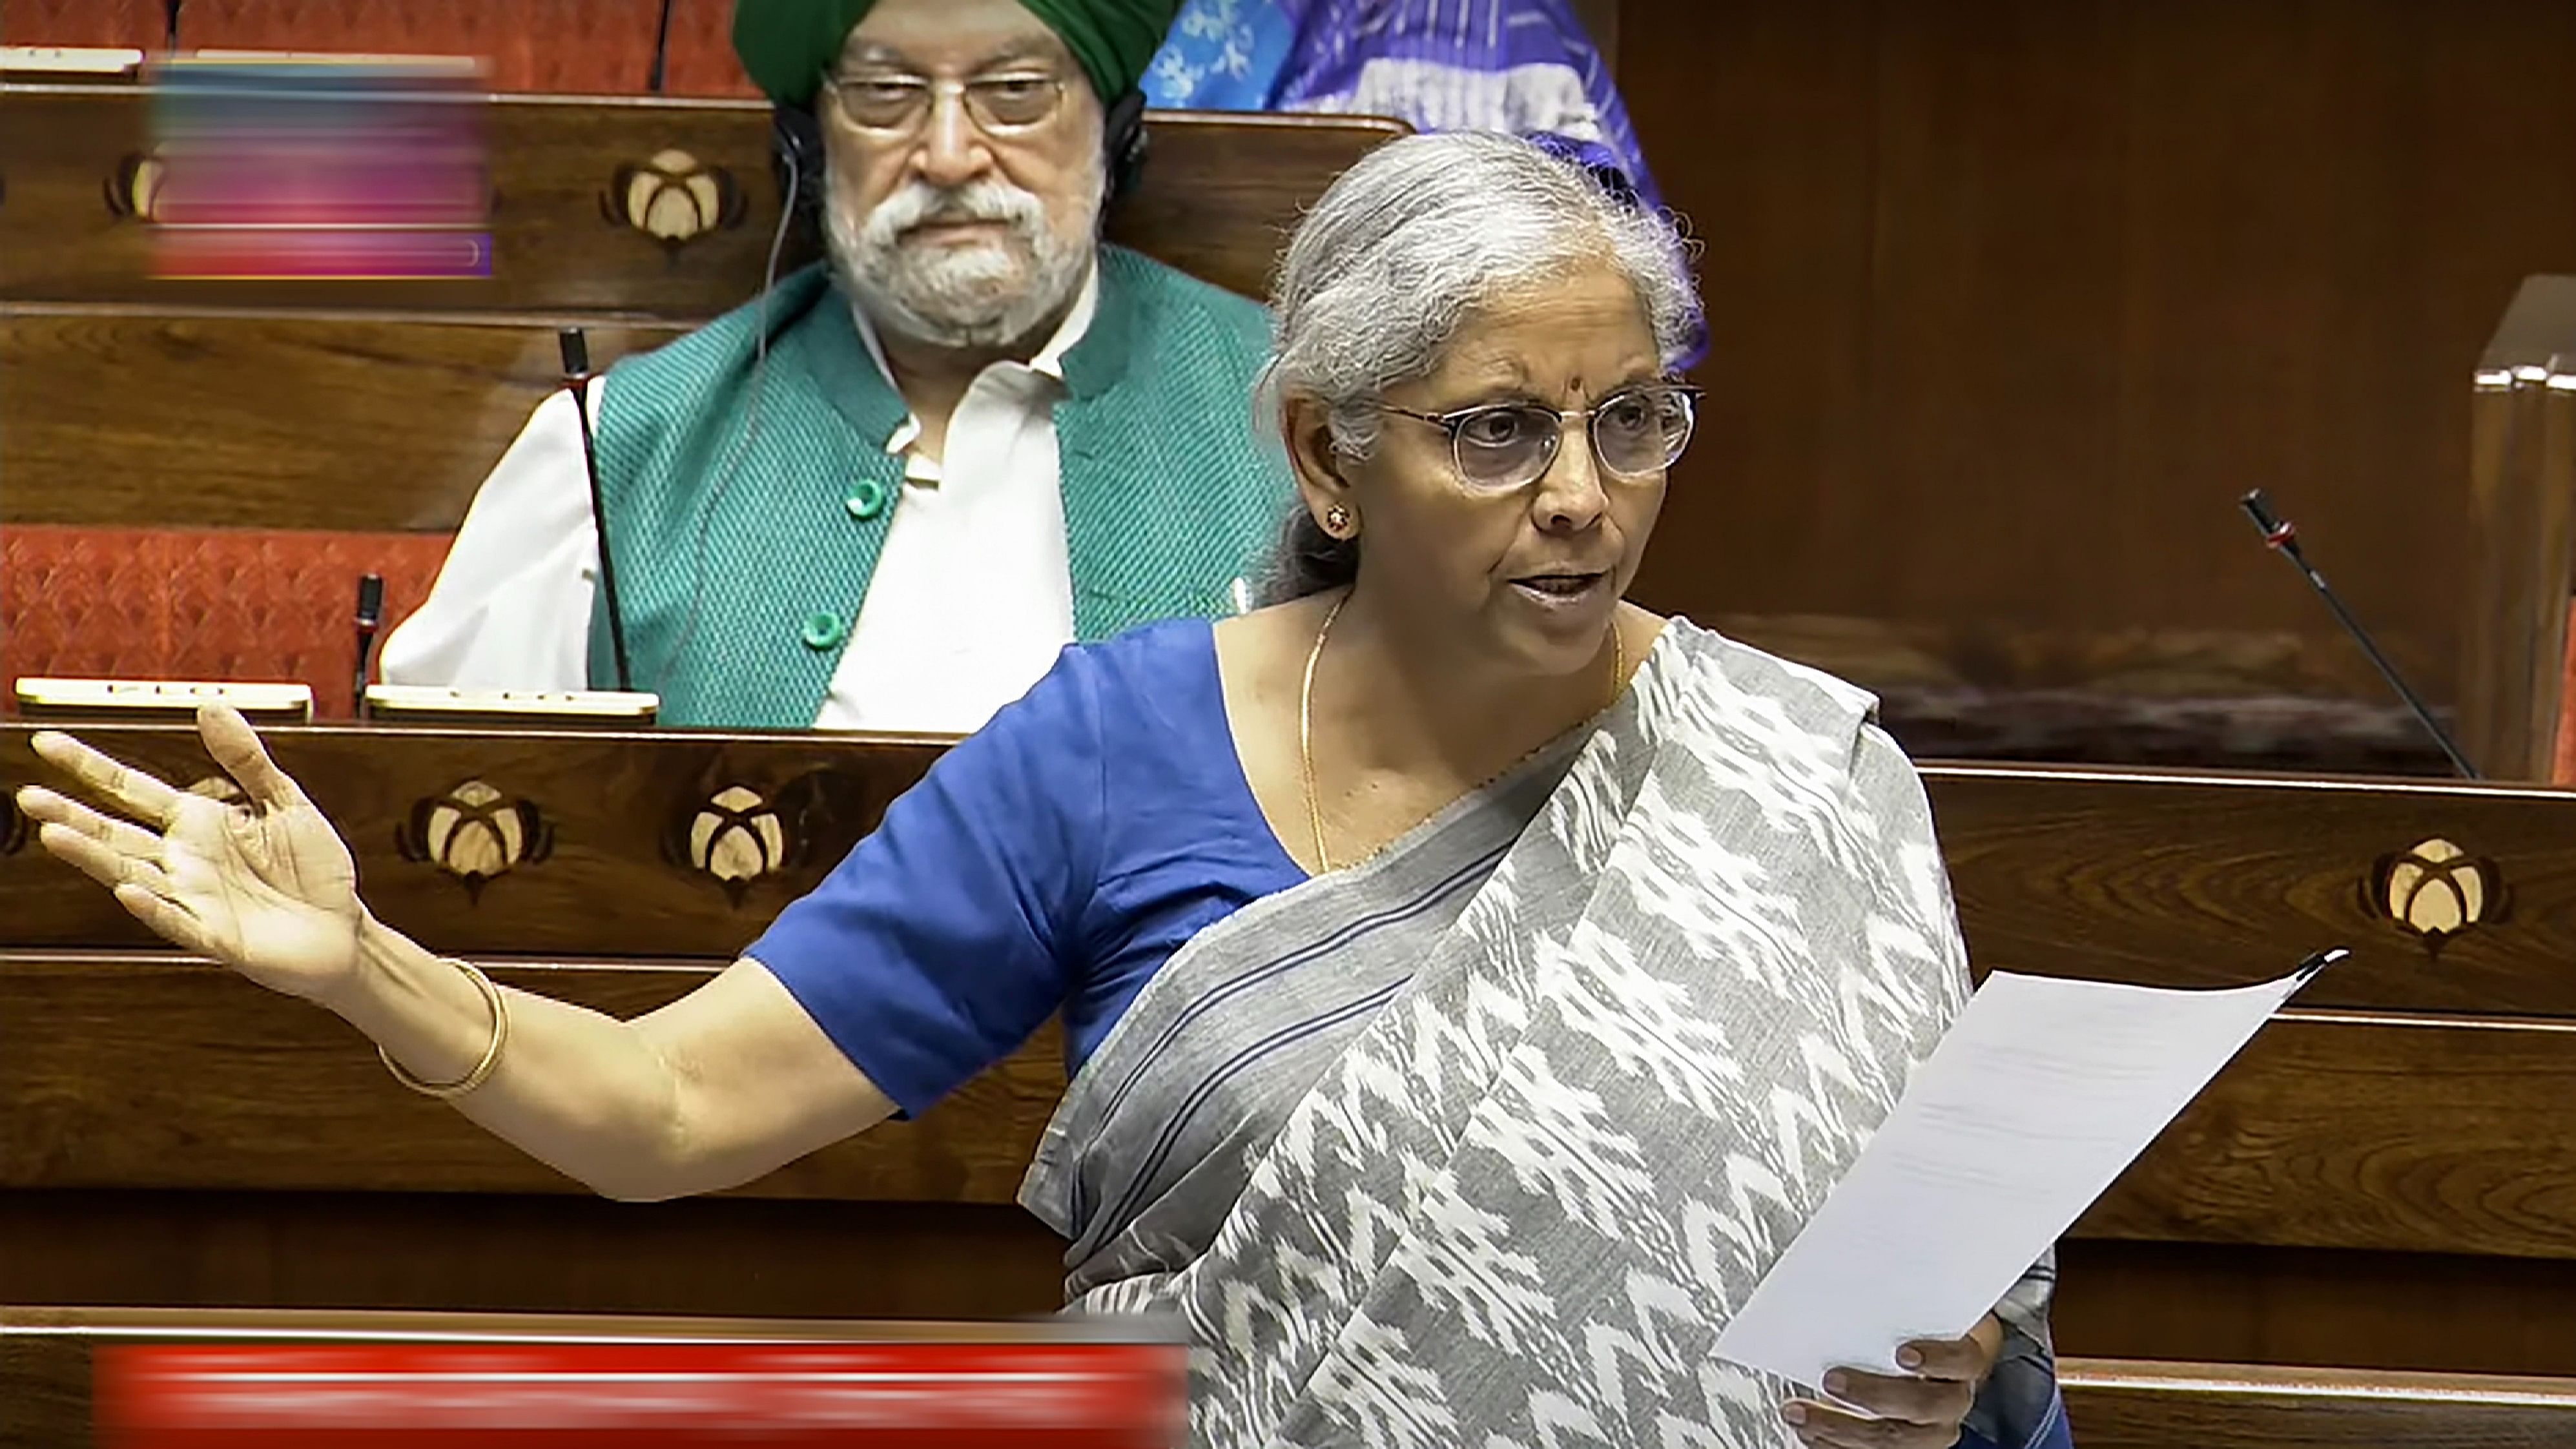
(714, 353)
(1175, 300)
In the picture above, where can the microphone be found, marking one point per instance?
(371, 613)
(661, 51)
(576, 368)
(2283, 537)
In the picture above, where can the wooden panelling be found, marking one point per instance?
(2384, 1133)
(177, 1075)
(2116, 1405)
(2141, 875)
(2403, 1114)
(2375, 1132)
(1757, 121)
(2238, 1303)
(2195, 879)
(609, 810)
(554, 245)
(2390, 1133)
(2396, 1110)
(556, 1253)
(2010, 301)
(1216, 198)
(122, 417)
(1220, 194)
(373, 406)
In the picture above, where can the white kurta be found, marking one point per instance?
(971, 599)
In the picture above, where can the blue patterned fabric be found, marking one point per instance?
(1520, 66)
(1523, 66)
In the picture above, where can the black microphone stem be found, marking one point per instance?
(2283, 536)
(576, 361)
(371, 615)
(661, 51)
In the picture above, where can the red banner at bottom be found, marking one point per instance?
(1065, 1395)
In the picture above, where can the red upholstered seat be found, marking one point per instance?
(218, 604)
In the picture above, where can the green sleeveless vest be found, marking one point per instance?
(744, 518)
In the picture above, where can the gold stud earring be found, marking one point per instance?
(1337, 520)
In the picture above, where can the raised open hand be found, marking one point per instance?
(262, 884)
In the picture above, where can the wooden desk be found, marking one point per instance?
(2387, 1178)
(169, 1133)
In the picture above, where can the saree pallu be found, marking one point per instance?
(1483, 1141)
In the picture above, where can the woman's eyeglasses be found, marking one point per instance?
(1636, 432)
(897, 105)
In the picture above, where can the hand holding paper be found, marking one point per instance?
(1923, 1408)
(2042, 1092)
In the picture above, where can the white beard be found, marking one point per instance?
(984, 294)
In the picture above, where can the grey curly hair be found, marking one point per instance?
(1400, 252)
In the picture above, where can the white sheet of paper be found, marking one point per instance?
(2037, 1098)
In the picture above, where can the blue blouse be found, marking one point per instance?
(1052, 861)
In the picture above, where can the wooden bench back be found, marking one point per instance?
(197, 472)
(572, 176)
(379, 406)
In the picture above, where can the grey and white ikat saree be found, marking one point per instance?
(1479, 1143)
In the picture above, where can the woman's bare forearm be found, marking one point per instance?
(592, 1096)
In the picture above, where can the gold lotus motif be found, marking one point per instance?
(674, 198)
(2436, 890)
(476, 834)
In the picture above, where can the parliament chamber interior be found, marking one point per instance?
(2007, 306)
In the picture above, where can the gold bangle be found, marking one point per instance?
(491, 1054)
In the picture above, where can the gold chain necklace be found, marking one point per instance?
(1306, 717)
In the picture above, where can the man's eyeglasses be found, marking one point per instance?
(898, 105)
(1636, 432)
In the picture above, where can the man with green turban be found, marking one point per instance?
(886, 493)
(789, 47)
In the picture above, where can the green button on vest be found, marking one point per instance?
(867, 499)
(823, 631)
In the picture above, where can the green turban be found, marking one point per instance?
(787, 45)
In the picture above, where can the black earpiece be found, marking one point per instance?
(1122, 135)
(796, 154)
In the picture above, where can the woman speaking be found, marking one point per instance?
(1473, 981)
